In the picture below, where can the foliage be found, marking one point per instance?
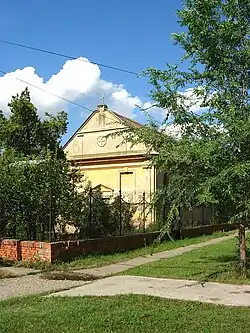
(26, 134)
(36, 188)
(101, 217)
(209, 160)
(126, 211)
(35, 195)
(39, 199)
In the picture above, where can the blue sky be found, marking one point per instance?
(131, 35)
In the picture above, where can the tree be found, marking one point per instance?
(36, 191)
(39, 194)
(26, 134)
(209, 161)
(36, 197)
(2, 125)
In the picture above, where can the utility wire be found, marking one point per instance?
(46, 91)
(67, 56)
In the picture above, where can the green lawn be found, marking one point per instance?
(99, 260)
(120, 314)
(211, 263)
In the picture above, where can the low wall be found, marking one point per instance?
(12, 249)
(9, 249)
(66, 250)
(208, 229)
(69, 249)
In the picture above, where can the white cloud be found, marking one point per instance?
(187, 98)
(192, 100)
(174, 130)
(77, 80)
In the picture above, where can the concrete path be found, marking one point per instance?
(123, 266)
(226, 294)
(33, 284)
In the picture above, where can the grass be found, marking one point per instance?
(211, 263)
(98, 260)
(119, 314)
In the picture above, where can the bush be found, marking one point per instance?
(101, 218)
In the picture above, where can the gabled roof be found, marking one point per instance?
(122, 119)
(127, 121)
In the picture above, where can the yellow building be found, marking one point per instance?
(116, 167)
(110, 164)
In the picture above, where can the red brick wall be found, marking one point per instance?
(35, 251)
(66, 250)
(8, 249)
(25, 250)
(208, 229)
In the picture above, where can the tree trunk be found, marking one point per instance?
(243, 252)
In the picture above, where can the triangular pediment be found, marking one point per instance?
(93, 138)
(101, 120)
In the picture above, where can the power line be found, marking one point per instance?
(46, 91)
(68, 57)
(50, 93)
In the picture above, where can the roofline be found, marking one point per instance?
(132, 120)
(73, 135)
(117, 116)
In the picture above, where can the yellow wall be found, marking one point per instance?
(133, 185)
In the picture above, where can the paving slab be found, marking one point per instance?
(125, 265)
(224, 294)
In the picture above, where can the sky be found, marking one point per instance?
(132, 35)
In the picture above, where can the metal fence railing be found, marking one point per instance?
(100, 217)
(116, 216)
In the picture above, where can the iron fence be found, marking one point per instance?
(100, 217)
(114, 215)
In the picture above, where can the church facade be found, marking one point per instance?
(117, 168)
(111, 165)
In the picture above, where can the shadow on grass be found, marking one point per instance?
(220, 259)
(206, 268)
(214, 275)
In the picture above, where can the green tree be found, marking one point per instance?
(209, 162)
(2, 126)
(127, 212)
(36, 192)
(36, 197)
(26, 134)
